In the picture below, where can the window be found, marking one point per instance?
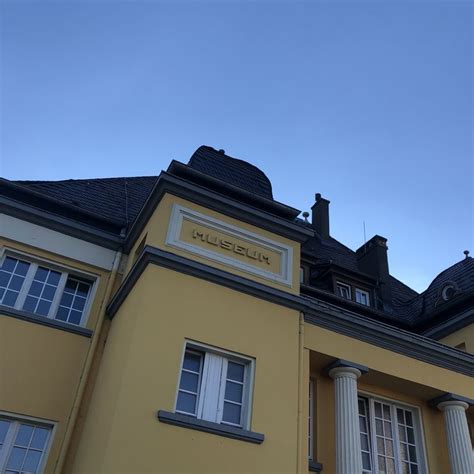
(214, 386)
(31, 286)
(390, 436)
(344, 290)
(362, 297)
(23, 445)
(301, 274)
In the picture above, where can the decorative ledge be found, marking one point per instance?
(345, 363)
(314, 466)
(42, 320)
(209, 427)
(450, 397)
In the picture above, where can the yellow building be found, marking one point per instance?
(191, 323)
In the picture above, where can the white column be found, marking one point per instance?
(457, 431)
(348, 453)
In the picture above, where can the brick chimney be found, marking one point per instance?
(373, 259)
(320, 216)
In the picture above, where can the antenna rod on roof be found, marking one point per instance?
(365, 237)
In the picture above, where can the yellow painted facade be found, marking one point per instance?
(462, 339)
(139, 358)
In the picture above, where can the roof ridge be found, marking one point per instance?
(32, 181)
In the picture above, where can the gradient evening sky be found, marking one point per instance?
(369, 103)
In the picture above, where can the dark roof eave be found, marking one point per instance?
(172, 184)
(17, 192)
(274, 207)
(60, 224)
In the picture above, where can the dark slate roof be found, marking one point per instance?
(116, 199)
(231, 170)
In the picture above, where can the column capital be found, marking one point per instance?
(341, 364)
(450, 399)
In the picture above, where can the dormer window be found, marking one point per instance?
(344, 290)
(448, 292)
(362, 297)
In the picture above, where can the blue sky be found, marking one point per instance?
(369, 103)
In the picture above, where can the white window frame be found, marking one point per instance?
(417, 425)
(344, 285)
(11, 434)
(65, 271)
(247, 397)
(363, 292)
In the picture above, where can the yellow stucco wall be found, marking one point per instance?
(140, 370)
(463, 336)
(157, 227)
(41, 367)
(387, 362)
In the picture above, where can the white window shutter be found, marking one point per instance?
(211, 385)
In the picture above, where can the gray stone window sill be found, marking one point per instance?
(314, 466)
(42, 320)
(192, 423)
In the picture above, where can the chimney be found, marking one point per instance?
(373, 260)
(320, 217)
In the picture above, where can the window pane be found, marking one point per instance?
(62, 314)
(4, 425)
(414, 469)
(411, 435)
(232, 413)
(75, 317)
(16, 282)
(24, 435)
(53, 278)
(366, 461)
(32, 461)
(408, 418)
(412, 451)
(35, 289)
(235, 371)
(186, 402)
(41, 274)
(378, 410)
(386, 412)
(9, 264)
(48, 292)
(73, 301)
(4, 278)
(189, 382)
(16, 458)
(390, 466)
(380, 445)
(404, 451)
(401, 433)
(401, 418)
(192, 361)
(12, 277)
(233, 391)
(364, 441)
(9, 298)
(39, 438)
(30, 304)
(43, 307)
(22, 268)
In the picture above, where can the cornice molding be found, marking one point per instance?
(170, 184)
